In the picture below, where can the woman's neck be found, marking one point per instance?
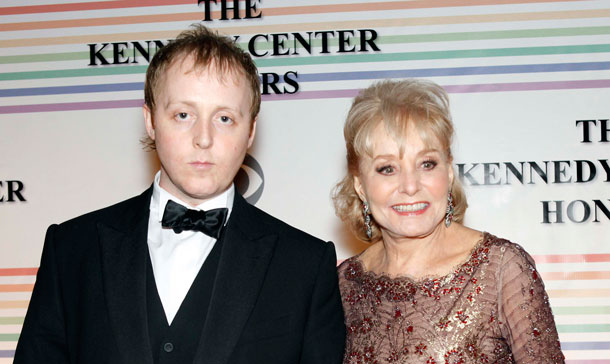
(432, 255)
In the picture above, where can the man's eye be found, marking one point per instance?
(182, 116)
(226, 119)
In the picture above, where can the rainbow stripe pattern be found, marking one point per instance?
(466, 46)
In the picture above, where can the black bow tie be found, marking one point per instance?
(179, 218)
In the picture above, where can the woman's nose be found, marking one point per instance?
(409, 182)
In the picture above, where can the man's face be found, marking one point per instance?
(202, 128)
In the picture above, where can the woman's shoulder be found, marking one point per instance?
(506, 250)
(350, 272)
(346, 263)
(363, 258)
(354, 269)
(350, 267)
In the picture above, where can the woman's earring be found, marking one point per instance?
(367, 219)
(450, 210)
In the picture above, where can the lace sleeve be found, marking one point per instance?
(526, 314)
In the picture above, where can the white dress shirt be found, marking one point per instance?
(177, 258)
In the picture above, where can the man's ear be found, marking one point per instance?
(148, 121)
(252, 132)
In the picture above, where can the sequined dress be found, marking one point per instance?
(491, 309)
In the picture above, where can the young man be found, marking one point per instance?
(154, 279)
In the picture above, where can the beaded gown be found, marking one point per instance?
(491, 309)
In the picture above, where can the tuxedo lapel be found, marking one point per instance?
(124, 253)
(246, 253)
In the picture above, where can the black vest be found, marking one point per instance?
(177, 344)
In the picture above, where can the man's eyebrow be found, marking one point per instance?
(171, 102)
(229, 108)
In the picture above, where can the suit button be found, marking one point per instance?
(168, 347)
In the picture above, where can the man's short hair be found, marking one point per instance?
(206, 47)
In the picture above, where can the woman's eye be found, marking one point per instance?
(385, 170)
(429, 164)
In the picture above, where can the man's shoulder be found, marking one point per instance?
(297, 253)
(280, 226)
(288, 235)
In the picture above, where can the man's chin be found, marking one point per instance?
(202, 195)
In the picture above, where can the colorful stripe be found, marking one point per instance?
(335, 76)
(11, 320)
(569, 276)
(390, 39)
(71, 106)
(63, 90)
(14, 304)
(572, 258)
(380, 57)
(84, 6)
(591, 345)
(293, 10)
(18, 271)
(528, 86)
(268, 12)
(429, 55)
(81, 72)
(318, 26)
(562, 329)
(581, 310)
(7, 353)
(9, 337)
(580, 293)
(325, 94)
(16, 287)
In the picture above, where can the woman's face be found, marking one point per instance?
(407, 196)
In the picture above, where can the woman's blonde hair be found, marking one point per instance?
(398, 105)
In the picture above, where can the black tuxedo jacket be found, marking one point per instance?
(275, 298)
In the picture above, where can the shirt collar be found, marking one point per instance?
(160, 197)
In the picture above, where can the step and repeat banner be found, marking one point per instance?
(529, 82)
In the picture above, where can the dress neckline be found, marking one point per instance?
(467, 265)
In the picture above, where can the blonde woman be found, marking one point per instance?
(428, 289)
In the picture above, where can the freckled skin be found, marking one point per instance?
(202, 129)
